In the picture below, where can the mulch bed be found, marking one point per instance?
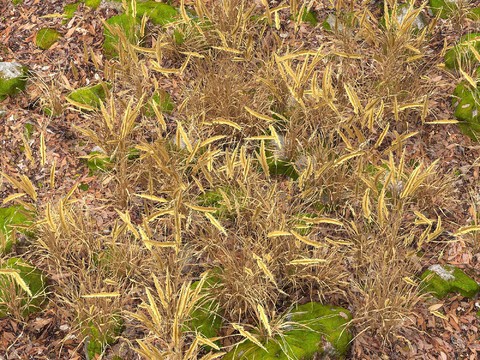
(46, 336)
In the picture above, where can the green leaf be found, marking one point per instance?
(461, 55)
(443, 280)
(13, 78)
(91, 96)
(46, 37)
(32, 277)
(127, 24)
(10, 216)
(158, 13)
(311, 329)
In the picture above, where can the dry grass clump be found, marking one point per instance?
(201, 195)
(221, 91)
